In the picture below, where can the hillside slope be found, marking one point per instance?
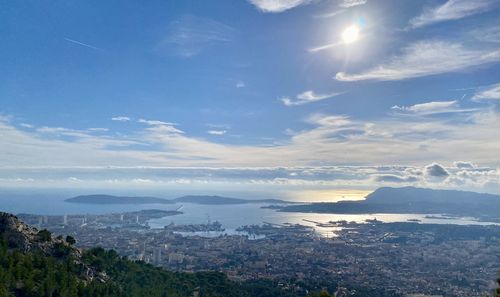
(34, 263)
(420, 195)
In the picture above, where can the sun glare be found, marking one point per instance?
(350, 34)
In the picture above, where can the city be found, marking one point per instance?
(403, 258)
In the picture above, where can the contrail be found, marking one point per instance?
(82, 44)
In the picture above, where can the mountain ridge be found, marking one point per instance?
(412, 200)
(415, 194)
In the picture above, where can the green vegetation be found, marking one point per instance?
(321, 294)
(140, 279)
(39, 275)
(36, 274)
(70, 240)
(44, 235)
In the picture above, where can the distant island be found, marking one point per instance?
(218, 200)
(109, 199)
(196, 199)
(412, 200)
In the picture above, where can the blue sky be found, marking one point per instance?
(313, 96)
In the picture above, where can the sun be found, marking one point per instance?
(350, 34)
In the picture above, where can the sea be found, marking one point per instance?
(230, 216)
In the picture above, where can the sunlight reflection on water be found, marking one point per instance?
(234, 216)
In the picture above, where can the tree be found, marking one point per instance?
(70, 240)
(45, 235)
(323, 293)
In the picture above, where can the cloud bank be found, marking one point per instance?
(425, 153)
(290, 179)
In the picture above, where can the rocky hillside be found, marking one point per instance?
(21, 237)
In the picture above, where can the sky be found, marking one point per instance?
(303, 99)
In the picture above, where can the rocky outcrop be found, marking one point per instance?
(27, 239)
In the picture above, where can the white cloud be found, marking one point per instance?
(219, 126)
(120, 119)
(308, 97)
(61, 131)
(189, 35)
(487, 34)
(491, 92)
(428, 106)
(46, 129)
(25, 125)
(329, 14)
(98, 129)
(155, 122)
(311, 96)
(5, 118)
(44, 147)
(240, 84)
(464, 165)
(275, 6)
(74, 179)
(287, 101)
(329, 120)
(345, 5)
(163, 129)
(426, 58)
(142, 181)
(393, 178)
(217, 132)
(434, 107)
(352, 3)
(436, 170)
(452, 10)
